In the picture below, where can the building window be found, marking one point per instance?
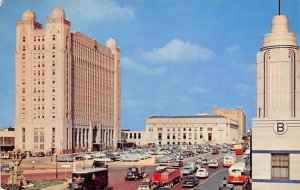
(168, 136)
(130, 135)
(53, 37)
(35, 133)
(42, 135)
(42, 146)
(53, 135)
(23, 135)
(139, 135)
(184, 135)
(280, 166)
(159, 136)
(201, 129)
(23, 39)
(134, 135)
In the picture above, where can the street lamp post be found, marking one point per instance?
(56, 165)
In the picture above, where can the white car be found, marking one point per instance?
(202, 172)
(213, 163)
(103, 159)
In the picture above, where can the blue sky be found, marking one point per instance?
(177, 57)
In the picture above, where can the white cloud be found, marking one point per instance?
(143, 69)
(178, 51)
(233, 49)
(97, 10)
(200, 90)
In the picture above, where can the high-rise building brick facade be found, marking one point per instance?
(237, 114)
(67, 87)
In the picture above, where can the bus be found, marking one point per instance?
(229, 160)
(236, 173)
(91, 178)
(238, 149)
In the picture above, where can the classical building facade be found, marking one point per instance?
(194, 129)
(236, 114)
(276, 127)
(67, 87)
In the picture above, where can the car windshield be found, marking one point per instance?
(132, 169)
(189, 178)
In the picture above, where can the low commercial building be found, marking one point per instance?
(7, 139)
(194, 129)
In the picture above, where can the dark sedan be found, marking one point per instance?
(190, 181)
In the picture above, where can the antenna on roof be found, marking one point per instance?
(278, 7)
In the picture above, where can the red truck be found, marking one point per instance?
(166, 177)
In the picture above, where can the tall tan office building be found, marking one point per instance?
(67, 87)
(237, 114)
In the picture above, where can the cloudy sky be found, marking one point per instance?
(178, 57)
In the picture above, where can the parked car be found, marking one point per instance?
(49, 153)
(33, 154)
(6, 155)
(204, 161)
(28, 153)
(159, 168)
(129, 158)
(103, 159)
(187, 170)
(190, 181)
(147, 185)
(40, 154)
(65, 159)
(99, 164)
(213, 163)
(215, 151)
(202, 173)
(135, 172)
(224, 150)
(177, 163)
(5, 168)
(192, 165)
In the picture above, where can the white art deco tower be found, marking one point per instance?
(276, 128)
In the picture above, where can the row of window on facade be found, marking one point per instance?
(38, 38)
(38, 137)
(184, 136)
(184, 129)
